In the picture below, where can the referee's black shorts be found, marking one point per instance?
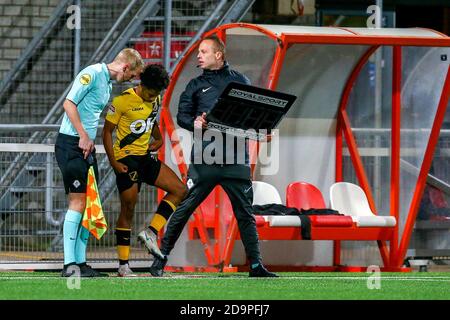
(143, 168)
(71, 162)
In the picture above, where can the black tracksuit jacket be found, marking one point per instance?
(200, 96)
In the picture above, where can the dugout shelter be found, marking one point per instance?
(348, 124)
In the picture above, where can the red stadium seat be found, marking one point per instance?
(303, 195)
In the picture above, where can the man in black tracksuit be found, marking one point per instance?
(226, 165)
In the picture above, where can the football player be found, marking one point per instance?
(134, 115)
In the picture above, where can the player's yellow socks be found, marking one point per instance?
(163, 213)
(123, 244)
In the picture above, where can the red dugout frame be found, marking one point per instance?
(393, 255)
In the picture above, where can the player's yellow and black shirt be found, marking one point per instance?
(134, 118)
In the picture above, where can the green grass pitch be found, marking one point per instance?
(228, 286)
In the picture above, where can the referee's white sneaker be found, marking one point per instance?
(150, 240)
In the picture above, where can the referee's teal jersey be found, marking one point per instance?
(90, 92)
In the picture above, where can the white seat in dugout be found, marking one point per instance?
(265, 193)
(350, 199)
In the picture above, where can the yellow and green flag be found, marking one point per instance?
(93, 218)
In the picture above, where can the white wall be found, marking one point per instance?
(306, 153)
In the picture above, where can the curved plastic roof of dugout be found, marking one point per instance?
(321, 66)
(260, 51)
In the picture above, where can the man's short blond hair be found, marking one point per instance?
(218, 44)
(131, 57)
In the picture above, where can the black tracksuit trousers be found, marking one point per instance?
(202, 179)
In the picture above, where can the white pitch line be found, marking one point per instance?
(371, 275)
(147, 278)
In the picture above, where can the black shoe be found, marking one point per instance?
(157, 268)
(261, 272)
(69, 269)
(87, 272)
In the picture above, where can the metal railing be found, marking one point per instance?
(235, 12)
(16, 173)
(31, 50)
(31, 230)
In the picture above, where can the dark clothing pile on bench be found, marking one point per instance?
(274, 209)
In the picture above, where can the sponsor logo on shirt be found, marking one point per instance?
(85, 79)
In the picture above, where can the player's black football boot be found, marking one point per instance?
(157, 268)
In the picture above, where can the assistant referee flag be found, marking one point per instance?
(93, 218)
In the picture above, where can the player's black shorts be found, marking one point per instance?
(71, 162)
(140, 169)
